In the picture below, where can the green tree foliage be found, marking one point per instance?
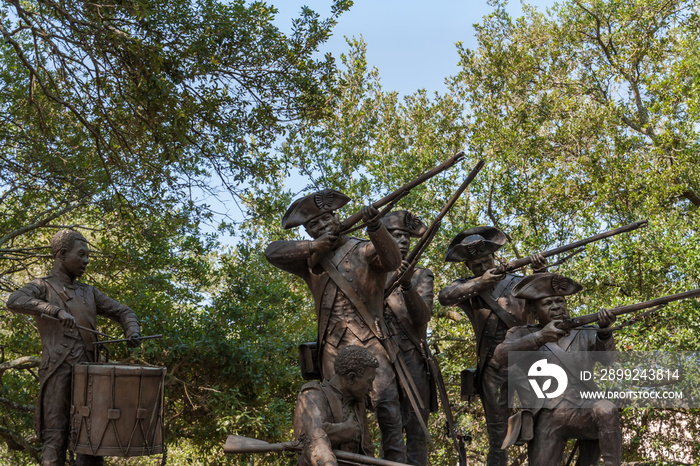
(137, 105)
(122, 119)
(584, 137)
(587, 118)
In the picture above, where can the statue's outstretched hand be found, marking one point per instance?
(66, 319)
(369, 216)
(605, 318)
(134, 340)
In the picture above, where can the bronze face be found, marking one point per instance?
(403, 241)
(550, 308)
(481, 265)
(358, 386)
(75, 261)
(324, 223)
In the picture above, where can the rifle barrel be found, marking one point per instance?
(590, 318)
(518, 263)
(427, 237)
(403, 190)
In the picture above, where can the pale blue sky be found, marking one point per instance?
(411, 42)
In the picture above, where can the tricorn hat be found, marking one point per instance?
(475, 243)
(308, 207)
(405, 221)
(543, 285)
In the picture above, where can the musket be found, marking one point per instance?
(238, 444)
(520, 263)
(422, 244)
(573, 322)
(392, 198)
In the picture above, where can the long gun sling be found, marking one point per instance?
(402, 372)
(566, 363)
(506, 317)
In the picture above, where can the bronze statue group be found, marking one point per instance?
(373, 307)
(348, 278)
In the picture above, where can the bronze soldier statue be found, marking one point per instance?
(594, 422)
(347, 277)
(61, 304)
(486, 298)
(407, 313)
(332, 415)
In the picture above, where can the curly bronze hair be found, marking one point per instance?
(354, 359)
(65, 239)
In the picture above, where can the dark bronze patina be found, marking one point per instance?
(487, 300)
(347, 277)
(408, 311)
(331, 415)
(67, 336)
(595, 423)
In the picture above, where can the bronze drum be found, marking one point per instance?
(117, 409)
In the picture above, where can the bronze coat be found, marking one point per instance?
(464, 293)
(84, 302)
(364, 264)
(409, 325)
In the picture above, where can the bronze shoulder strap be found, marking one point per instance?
(352, 295)
(333, 402)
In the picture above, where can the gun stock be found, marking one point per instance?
(237, 444)
(520, 263)
(392, 198)
(574, 322)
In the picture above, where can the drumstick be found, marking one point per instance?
(78, 326)
(148, 337)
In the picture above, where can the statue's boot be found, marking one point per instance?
(416, 443)
(497, 433)
(610, 444)
(55, 445)
(389, 420)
